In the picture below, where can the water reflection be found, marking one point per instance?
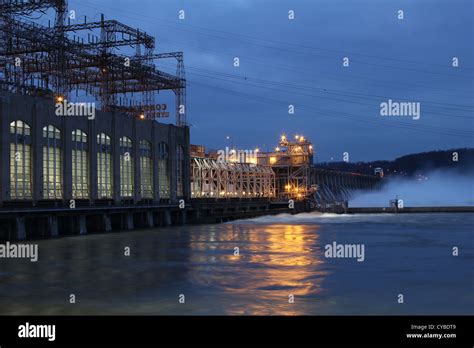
(274, 262)
(94, 269)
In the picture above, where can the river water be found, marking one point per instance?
(280, 258)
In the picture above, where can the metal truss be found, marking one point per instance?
(216, 179)
(291, 161)
(26, 7)
(57, 60)
(298, 179)
(335, 187)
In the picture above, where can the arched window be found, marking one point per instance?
(163, 172)
(179, 170)
(126, 167)
(20, 160)
(146, 170)
(80, 165)
(104, 167)
(52, 163)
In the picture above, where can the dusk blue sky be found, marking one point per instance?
(299, 62)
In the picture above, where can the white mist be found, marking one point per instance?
(442, 188)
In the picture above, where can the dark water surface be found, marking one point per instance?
(409, 254)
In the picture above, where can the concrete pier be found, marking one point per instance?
(107, 223)
(31, 223)
(167, 218)
(20, 228)
(82, 226)
(149, 219)
(182, 217)
(129, 221)
(53, 226)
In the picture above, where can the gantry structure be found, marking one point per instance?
(213, 178)
(80, 56)
(297, 178)
(291, 161)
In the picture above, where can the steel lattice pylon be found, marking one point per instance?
(58, 59)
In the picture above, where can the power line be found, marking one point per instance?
(290, 88)
(426, 128)
(281, 43)
(266, 64)
(334, 76)
(339, 114)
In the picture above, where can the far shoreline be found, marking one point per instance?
(391, 210)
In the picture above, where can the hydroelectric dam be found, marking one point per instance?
(83, 148)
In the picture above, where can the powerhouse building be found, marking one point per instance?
(112, 159)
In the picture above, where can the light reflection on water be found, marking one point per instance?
(409, 254)
(274, 261)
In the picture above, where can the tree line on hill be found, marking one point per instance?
(459, 160)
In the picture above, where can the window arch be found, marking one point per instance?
(80, 165)
(179, 170)
(104, 167)
(126, 167)
(52, 163)
(20, 160)
(163, 170)
(19, 127)
(146, 170)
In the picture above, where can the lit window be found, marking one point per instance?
(20, 161)
(80, 165)
(126, 167)
(104, 167)
(52, 163)
(163, 172)
(146, 170)
(179, 170)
